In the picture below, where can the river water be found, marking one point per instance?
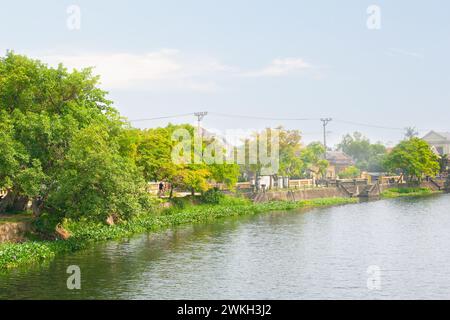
(389, 249)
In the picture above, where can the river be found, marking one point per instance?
(388, 249)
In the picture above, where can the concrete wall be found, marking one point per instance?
(297, 195)
(13, 231)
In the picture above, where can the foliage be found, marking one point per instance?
(295, 159)
(350, 173)
(368, 156)
(291, 164)
(154, 157)
(312, 157)
(444, 163)
(97, 181)
(406, 192)
(414, 158)
(225, 173)
(212, 196)
(42, 110)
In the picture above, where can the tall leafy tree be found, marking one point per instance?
(43, 111)
(367, 156)
(414, 158)
(96, 180)
(291, 162)
(312, 157)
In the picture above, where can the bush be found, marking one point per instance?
(212, 196)
(179, 203)
(350, 173)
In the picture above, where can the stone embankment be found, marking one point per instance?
(13, 231)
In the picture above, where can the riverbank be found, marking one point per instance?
(83, 233)
(408, 192)
(14, 255)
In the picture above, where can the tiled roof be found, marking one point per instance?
(339, 157)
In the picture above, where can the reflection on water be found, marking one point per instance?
(319, 254)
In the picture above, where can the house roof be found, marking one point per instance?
(444, 135)
(339, 158)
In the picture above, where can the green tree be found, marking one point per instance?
(42, 110)
(291, 162)
(225, 173)
(312, 158)
(154, 157)
(97, 181)
(414, 158)
(350, 173)
(368, 156)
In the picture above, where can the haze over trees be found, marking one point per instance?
(367, 156)
(296, 160)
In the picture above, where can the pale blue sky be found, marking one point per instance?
(302, 59)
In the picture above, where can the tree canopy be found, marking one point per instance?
(367, 156)
(43, 111)
(414, 158)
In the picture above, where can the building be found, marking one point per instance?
(439, 142)
(339, 161)
(270, 182)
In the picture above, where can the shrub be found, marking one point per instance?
(212, 196)
(350, 172)
(179, 203)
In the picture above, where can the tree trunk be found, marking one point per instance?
(20, 203)
(36, 206)
(7, 201)
(171, 191)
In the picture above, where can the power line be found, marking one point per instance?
(368, 125)
(270, 119)
(259, 117)
(164, 117)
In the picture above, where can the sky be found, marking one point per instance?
(373, 66)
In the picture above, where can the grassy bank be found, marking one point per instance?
(15, 217)
(407, 192)
(14, 255)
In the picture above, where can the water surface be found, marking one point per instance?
(319, 254)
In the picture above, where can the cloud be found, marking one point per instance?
(165, 69)
(168, 70)
(281, 67)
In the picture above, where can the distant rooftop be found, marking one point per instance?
(339, 158)
(445, 135)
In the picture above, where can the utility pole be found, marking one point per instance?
(200, 116)
(325, 122)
